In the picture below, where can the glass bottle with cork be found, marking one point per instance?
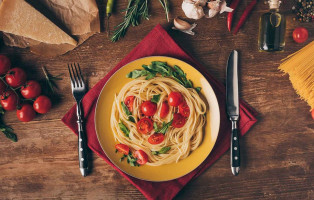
(272, 28)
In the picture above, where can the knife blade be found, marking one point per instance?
(232, 92)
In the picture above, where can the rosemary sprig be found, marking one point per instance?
(50, 80)
(165, 5)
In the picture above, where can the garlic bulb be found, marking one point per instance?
(183, 26)
(192, 10)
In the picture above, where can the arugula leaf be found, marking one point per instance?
(136, 73)
(165, 127)
(156, 129)
(124, 129)
(122, 158)
(155, 98)
(161, 151)
(125, 108)
(131, 160)
(131, 119)
(180, 71)
(150, 75)
(198, 89)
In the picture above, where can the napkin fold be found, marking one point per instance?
(159, 43)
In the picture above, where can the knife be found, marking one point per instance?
(232, 91)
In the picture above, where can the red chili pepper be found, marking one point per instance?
(234, 4)
(244, 16)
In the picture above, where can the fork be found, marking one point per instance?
(78, 91)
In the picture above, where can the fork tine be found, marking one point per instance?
(72, 82)
(74, 76)
(82, 79)
(79, 80)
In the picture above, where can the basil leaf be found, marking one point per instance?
(198, 89)
(165, 127)
(124, 129)
(155, 98)
(131, 119)
(161, 151)
(125, 109)
(136, 73)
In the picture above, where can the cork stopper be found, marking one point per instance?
(274, 4)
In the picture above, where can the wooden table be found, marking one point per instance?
(278, 152)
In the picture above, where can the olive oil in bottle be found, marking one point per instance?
(272, 28)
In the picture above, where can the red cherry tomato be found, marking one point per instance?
(184, 109)
(9, 100)
(178, 120)
(156, 138)
(31, 90)
(312, 114)
(42, 104)
(300, 34)
(144, 126)
(5, 64)
(175, 99)
(15, 77)
(26, 113)
(122, 148)
(148, 108)
(129, 102)
(164, 110)
(3, 87)
(141, 156)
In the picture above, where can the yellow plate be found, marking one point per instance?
(164, 172)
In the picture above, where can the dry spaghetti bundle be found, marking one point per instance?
(300, 67)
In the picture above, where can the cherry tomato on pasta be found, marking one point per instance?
(129, 102)
(178, 120)
(15, 77)
(9, 100)
(175, 99)
(5, 64)
(164, 110)
(300, 34)
(141, 156)
(148, 108)
(122, 148)
(26, 113)
(156, 138)
(31, 89)
(184, 109)
(144, 126)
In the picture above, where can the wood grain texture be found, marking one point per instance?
(277, 153)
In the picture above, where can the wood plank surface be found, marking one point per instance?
(278, 152)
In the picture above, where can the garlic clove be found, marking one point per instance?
(225, 8)
(181, 24)
(192, 11)
(212, 13)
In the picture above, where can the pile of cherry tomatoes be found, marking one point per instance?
(145, 124)
(18, 93)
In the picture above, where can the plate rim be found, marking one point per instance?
(216, 100)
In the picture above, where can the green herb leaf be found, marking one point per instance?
(136, 73)
(198, 89)
(116, 151)
(122, 158)
(125, 109)
(131, 119)
(150, 75)
(155, 98)
(156, 129)
(165, 127)
(124, 129)
(161, 151)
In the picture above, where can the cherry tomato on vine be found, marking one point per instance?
(156, 138)
(122, 148)
(144, 126)
(164, 110)
(3, 87)
(26, 113)
(31, 89)
(148, 108)
(15, 77)
(5, 64)
(42, 104)
(141, 156)
(300, 34)
(178, 120)
(9, 100)
(175, 99)
(184, 109)
(129, 102)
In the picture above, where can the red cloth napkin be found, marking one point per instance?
(159, 43)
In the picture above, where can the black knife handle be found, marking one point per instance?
(235, 148)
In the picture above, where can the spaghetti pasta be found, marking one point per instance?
(179, 141)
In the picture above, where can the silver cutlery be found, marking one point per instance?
(78, 91)
(232, 91)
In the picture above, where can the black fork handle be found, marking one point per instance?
(82, 142)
